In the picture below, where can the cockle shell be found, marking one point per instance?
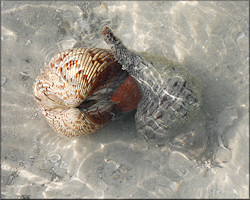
(75, 89)
(169, 110)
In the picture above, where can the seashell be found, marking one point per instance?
(169, 110)
(74, 91)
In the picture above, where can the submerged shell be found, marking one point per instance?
(75, 88)
(169, 110)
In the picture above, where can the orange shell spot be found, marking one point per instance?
(84, 77)
(128, 95)
(59, 59)
(79, 116)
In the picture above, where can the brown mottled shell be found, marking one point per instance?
(74, 90)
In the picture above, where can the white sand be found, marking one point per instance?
(210, 38)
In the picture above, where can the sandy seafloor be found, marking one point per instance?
(211, 39)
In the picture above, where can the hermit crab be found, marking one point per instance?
(82, 89)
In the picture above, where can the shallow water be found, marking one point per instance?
(211, 39)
